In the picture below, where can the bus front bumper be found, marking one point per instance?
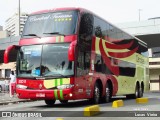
(56, 94)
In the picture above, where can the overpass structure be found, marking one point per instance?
(6, 68)
(4, 43)
(149, 32)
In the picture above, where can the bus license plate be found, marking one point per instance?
(40, 95)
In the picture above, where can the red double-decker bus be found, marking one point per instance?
(71, 53)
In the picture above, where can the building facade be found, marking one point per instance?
(3, 34)
(12, 24)
(1, 28)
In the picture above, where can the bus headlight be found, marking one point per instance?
(65, 86)
(21, 86)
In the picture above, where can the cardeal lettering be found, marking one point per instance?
(54, 16)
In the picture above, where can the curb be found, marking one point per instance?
(117, 103)
(16, 101)
(142, 100)
(91, 111)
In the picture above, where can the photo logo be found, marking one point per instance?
(6, 114)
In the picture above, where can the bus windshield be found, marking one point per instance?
(49, 60)
(49, 24)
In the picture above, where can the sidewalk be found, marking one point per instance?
(5, 99)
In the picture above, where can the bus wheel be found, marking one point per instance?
(96, 95)
(107, 97)
(135, 95)
(137, 91)
(50, 102)
(140, 92)
(64, 101)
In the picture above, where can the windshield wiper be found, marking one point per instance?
(32, 35)
(31, 77)
(55, 33)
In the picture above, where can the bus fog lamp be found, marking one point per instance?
(70, 95)
(21, 86)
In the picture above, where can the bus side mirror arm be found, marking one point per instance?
(71, 51)
(7, 52)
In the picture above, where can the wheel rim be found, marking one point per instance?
(107, 94)
(140, 92)
(136, 92)
(97, 94)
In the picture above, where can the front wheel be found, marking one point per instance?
(50, 102)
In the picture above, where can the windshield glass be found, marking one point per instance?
(48, 24)
(50, 60)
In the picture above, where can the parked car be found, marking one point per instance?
(4, 86)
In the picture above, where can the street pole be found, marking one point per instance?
(19, 16)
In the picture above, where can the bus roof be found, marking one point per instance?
(57, 9)
(82, 9)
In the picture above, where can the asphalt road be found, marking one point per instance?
(74, 110)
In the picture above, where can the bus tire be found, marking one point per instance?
(140, 92)
(96, 94)
(64, 101)
(136, 94)
(50, 102)
(130, 96)
(108, 92)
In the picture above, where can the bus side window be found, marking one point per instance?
(101, 28)
(83, 62)
(86, 24)
(86, 31)
(80, 61)
(98, 63)
(87, 58)
(84, 43)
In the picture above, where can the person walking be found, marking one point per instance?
(13, 80)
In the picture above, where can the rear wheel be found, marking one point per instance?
(64, 101)
(137, 93)
(108, 94)
(142, 90)
(50, 102)
(96, 94)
